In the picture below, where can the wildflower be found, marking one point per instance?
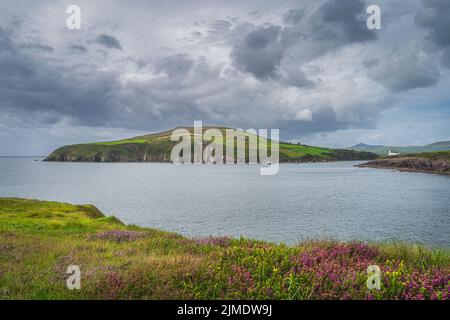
(119, 235)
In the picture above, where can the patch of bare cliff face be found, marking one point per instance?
(112, 156)
(411, 164)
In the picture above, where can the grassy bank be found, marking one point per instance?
(39, 240)
(430, 162)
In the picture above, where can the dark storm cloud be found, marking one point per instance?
(344, 20)
(436, 20)
(333, 25)
(313, 63)
(108, 41)
(39, 91)
(260, 52)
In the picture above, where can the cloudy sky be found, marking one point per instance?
(310, 68)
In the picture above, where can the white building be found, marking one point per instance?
(391, 154)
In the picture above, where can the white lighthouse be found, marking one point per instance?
(391, 154)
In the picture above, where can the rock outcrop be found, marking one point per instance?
(439, 163)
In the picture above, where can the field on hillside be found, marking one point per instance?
(39, 240)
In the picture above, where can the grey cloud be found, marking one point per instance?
(371, 63)
(308, 34)
(75, 48)
(171, 83)
(445, 58)
(294, 16)
(219, 26)
(5, 42)
(345, 20)
(37, 46)
(255, 13)
(41, 91)
(436, 19)
(417, 65)
(260, 52)
(109, 41)
(325, 119)
(296, 77)
(176, 65)
(405, 69)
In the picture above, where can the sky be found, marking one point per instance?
(309, 68)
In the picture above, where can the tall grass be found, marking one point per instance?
(39, 240)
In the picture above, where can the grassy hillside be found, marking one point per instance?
(384, 150)
(440, 155)
(39, 240)
(157, 147)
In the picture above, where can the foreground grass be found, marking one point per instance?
(39, 240)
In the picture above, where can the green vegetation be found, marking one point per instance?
(383, 150)
(158, 146)
(119, 142)
(440, 155)
(429, 162)
(39, 240)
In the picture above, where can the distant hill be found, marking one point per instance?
(156, 147)
(383, 150)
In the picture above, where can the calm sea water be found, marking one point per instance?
(304, 201)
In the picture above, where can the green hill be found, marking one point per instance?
(157, 147)
(383, 150)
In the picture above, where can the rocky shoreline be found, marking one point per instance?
(413, 163)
